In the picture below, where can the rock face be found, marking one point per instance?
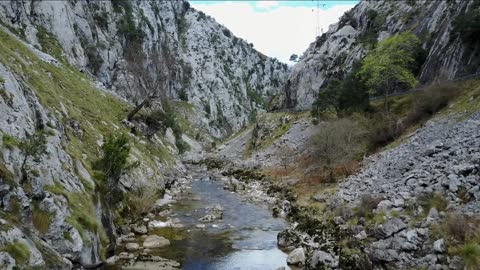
(333, 54)
(221, 75)
(52, 215)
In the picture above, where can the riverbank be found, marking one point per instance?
(206, 220)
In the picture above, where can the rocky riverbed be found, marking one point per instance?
(205, 221)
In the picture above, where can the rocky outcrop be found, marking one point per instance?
(225, 79)
(53, 125)
(333, 54)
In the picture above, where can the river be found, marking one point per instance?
(245, 238)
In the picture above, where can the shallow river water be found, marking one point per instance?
(244, 239)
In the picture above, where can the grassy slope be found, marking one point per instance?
(98, 113)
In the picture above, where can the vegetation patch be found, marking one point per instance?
(19, 251)
(6, 175)
(140, 202)
(82, 215)
(10, 142)
(41, 219)
(50, 44)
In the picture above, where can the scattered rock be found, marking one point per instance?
(126, 256)
(139, 229)
(439, 246)
(322, 258)
(214, 213)
(361, 235)
(390, 227)
(132, 246)
(320, 198)
(112, 260)
(155, 241)
(296, 257)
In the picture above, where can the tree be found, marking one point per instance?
(342, 97)
(294, 58)
(389, 65)
(148, 74)
(338, 142)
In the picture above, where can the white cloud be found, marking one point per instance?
(279, 32)
(267, 4)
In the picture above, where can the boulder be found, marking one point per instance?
(139, 229)
(390, 227)
(112, 260)
(132, 246)
(296, 257)
(439, 246)
(361, 235)
(155, 241)
(214, 213)
(322, 258)
(287, 238)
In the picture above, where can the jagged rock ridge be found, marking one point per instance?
(221, 75)
(333, 54)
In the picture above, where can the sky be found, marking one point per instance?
(276, 28)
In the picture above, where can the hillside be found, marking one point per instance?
(135, 135)
(447, 53)
(223, 76)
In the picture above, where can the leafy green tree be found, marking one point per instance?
(390, 64)
(342, 97)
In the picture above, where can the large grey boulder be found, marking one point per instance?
(390, 227)
(322, 258)
(439, 246)
(296, 257)
(155, 241)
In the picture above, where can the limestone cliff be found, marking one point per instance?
(221, 75)
(333, 54)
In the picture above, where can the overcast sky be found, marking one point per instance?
(276, 28)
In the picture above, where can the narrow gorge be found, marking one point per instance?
(146, 135)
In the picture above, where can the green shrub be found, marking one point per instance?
(470, 254)
(182, 94)
(140, 202)
(383, 128)
(255, 97)
(35, 145)
(115, 154)
(10, 142)
(433, 200)
(467, 25)
(101, 19)
(430, 101)
(207, 109)
(19, 251)
(161, 120)
(5, 174)
(94, 60)
(342, 97)
(181, 145)
(49, 43)
(126, 25)
(2, 80)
